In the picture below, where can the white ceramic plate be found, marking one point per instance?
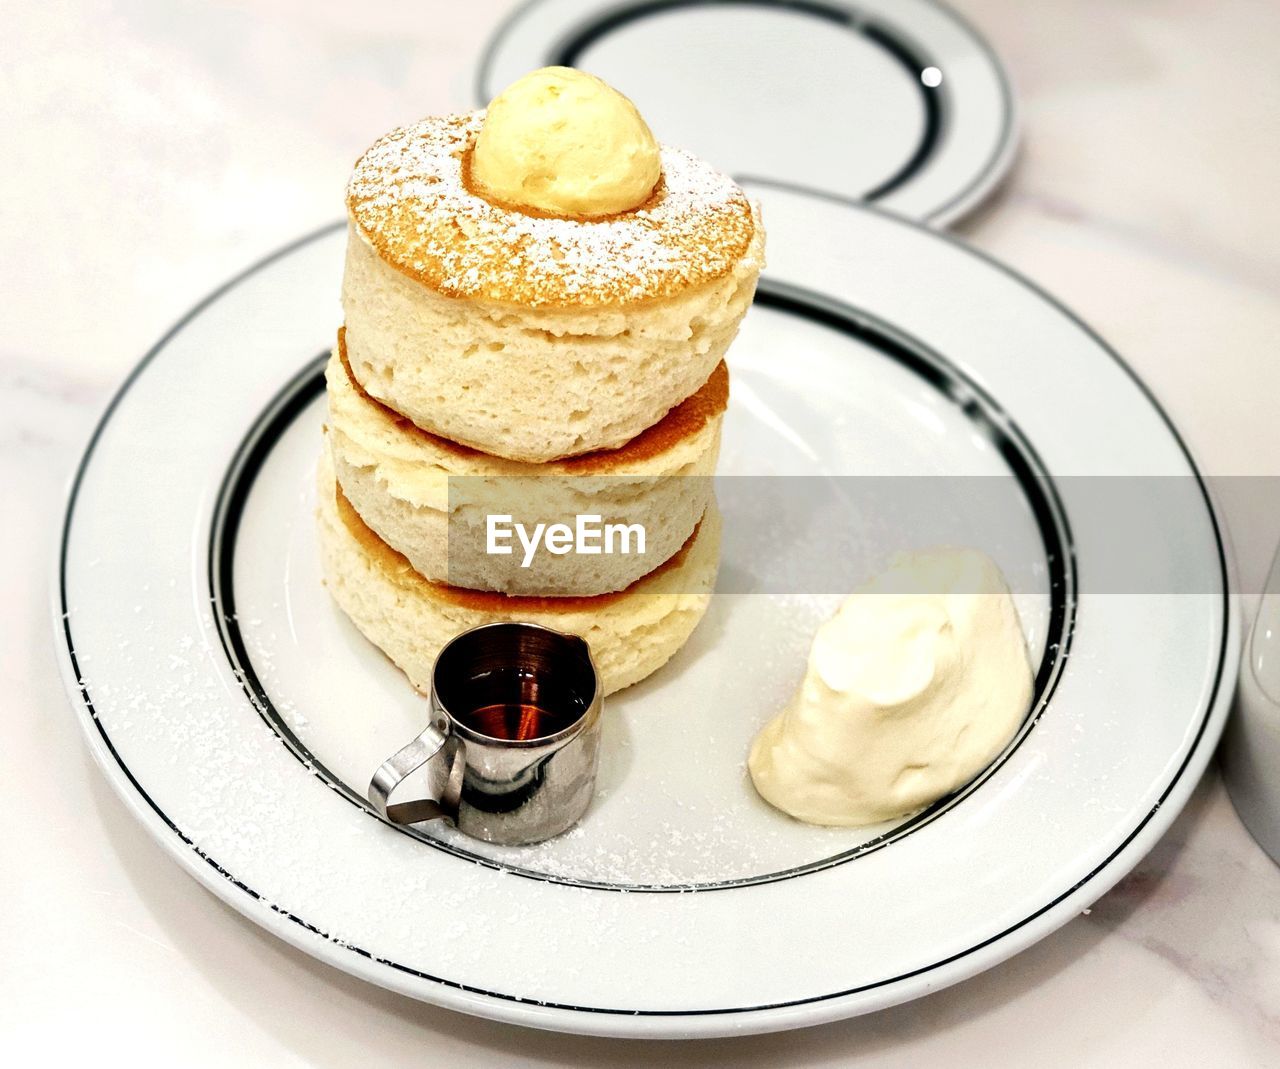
(897, 102)
(240, 715)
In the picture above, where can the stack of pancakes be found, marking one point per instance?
(498, 361)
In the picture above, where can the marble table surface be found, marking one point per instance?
(154, 147)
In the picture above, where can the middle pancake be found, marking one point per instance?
(429, 498)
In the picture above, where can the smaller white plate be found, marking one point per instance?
(896, 102)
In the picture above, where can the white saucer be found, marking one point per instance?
(240, 715)
(897, 102)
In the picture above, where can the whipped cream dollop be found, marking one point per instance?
(564, 142)
(917, 682)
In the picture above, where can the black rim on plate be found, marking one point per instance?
(983, 412)
(226, 877)
(845, 16)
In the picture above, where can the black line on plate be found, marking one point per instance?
(937, 99)
(1004, 139)
(78, 479)
(291, 401)
(980, 408)
(884, 36)
(933, 98)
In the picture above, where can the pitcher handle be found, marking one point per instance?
(435, 743)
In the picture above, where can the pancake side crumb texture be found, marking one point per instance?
(410, 197)
(428, 498)
(631, 633)
(656, 450)
(535, 384)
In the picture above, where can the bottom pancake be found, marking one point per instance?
(632, 632)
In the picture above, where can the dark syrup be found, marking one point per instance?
(517, 705)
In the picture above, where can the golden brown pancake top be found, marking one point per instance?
(411, 198)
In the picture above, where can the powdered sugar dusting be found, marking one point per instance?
(408, 197)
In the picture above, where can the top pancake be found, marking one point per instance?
(410, 197)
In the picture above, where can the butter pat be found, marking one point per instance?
(912, 688)
(564, 142)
